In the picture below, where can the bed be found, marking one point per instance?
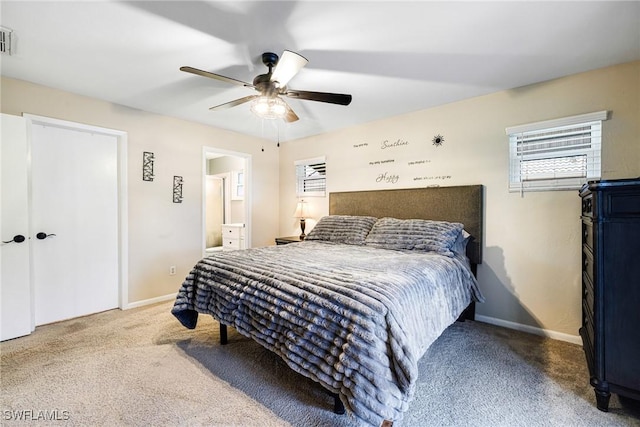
(358, 302)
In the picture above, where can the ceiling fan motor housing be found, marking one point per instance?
(263, 82)
(265, 86)
(269, 59)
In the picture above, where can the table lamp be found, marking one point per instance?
(302, 211)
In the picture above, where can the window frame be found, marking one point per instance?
(237, 184)
(302, 177)
(550, 141)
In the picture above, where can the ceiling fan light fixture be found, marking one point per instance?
(287, 67)
(267, 107)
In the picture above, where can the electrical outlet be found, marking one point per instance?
(172, 270)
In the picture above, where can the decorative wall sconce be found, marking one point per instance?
(177, 189)
(147, 166)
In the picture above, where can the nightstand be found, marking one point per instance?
(232, 237)
(287, 240)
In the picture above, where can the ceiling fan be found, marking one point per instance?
(272, 86)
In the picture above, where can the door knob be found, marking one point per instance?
(18, 238)
(42, 236)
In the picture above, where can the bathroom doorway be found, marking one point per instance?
(226, 195)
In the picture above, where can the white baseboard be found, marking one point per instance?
(149, 301)
(574, 339)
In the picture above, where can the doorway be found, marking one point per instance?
(68, 204)
(217, 209)
(226, 195)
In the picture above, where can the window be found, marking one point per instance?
(311, 177)
(559, 154)
(237, 185)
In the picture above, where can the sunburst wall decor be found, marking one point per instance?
(438, 140)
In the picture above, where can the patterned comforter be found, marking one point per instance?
(354, 318)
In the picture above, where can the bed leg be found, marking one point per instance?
(338, 406)
(223, 334)
(469, 313)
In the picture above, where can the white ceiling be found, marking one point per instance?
(393, 57)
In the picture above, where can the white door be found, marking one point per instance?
(74, 206)
(15, 295)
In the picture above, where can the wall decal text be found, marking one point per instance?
(389, 144)
(429, 178)
(381, 162)
(388, 178)
(419, 162)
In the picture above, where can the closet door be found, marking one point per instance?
(15, 295)
(74, 205)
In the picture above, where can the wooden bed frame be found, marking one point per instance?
(462, 204)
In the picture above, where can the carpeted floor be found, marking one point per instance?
(141, 367)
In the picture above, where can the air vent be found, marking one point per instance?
(5, 41)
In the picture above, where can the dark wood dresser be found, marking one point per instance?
(611, 287)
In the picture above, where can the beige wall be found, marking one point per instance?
(531, 270)
(161, 233)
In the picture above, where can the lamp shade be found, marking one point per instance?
(302, 210)
(288, 66)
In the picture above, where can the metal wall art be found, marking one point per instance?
(177, 189)
(438, 140)
(147, 166)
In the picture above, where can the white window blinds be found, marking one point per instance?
(311, 177)
(557, 154)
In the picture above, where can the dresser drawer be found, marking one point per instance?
(587, 205)
(229, 232)
(587, 233)
(589, 352)
(587, 326)
(622, 204)
(587, 263)
(587, 292)
(231, 244)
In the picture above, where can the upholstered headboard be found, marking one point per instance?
(455, 204)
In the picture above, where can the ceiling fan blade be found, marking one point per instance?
(291, 115)
(215, 76)
(288, 66)
(332, 98)
(231, 104)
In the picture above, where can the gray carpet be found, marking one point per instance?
(141, 367)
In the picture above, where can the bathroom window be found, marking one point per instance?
(237, 185)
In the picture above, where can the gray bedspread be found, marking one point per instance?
(354, 318)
